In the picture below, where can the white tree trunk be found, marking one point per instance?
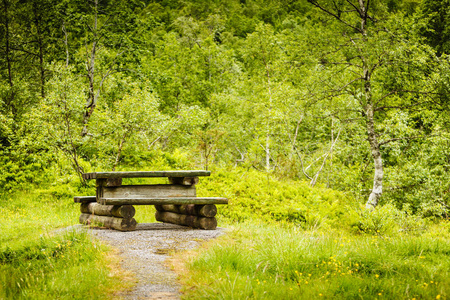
(377, 189)
(268, 150)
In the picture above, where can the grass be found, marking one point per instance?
(261, 261)
(145, 213)
(287, 241)
(37, 262)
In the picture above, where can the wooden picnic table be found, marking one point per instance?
(176, 202)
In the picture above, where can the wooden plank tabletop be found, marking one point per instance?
(137, 174)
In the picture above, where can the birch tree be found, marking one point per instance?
(383, 68)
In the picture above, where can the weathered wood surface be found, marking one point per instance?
(209, 210)
(109, 182)
(137, 174)
(186, 220)
(121, 224)
(184, 180)
(84, 199)
(146, 191)
(163, 200)
(119, 211)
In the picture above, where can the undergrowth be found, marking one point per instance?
(69, 266)
(257, 196)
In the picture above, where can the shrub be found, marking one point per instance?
(385, 219)
(256, 195)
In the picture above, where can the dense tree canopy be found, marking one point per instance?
(351, 94)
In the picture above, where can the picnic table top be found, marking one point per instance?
(138, 174)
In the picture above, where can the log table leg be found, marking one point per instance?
(186, 220)
(109, 222)
(119, 211)
(208, 210)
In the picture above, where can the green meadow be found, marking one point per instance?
(284, 239)
(43, 257)
(260, 261)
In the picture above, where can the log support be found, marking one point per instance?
(183, 180)
(121, 224)
(186, 220)
(84, 199)
(163, 200)
(208, 210)
(122, 211)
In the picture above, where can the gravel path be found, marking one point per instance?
(145, 251)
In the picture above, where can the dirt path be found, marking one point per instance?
(145, 251)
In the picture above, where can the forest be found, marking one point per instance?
(320, 118)
(324, 92)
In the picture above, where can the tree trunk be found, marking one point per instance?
(119, 150)
(7, 43)
(91, 102)
(378, 162)
(367, 68)
(37, 23)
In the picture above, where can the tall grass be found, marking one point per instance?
(275, 262)
(39, 262)
(29, 215)
(63, 267)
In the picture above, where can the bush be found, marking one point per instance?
(385, 220)
(259, 196)
(21, 170)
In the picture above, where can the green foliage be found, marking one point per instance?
(436, 31)
(259, 85)
(387, 220)
(267, 262)
(21, 170)
(257, 196)
(204, 84)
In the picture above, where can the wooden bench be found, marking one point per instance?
(176, 202)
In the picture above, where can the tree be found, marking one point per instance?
(57, 118)
(437, 28)
(101, 33)
(384, 69)
(130, 118)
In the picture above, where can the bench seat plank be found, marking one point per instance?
(84, 199)
(141, 174)
(163, 200)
